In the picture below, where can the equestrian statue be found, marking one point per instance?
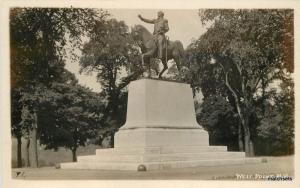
(157, 45)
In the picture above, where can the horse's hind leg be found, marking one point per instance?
(178, 64)
(177, 59)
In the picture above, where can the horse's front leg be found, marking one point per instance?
(165, 64)
(146, 60)
(156, 66)
(145, 66)
(149, 70)
(143, 62)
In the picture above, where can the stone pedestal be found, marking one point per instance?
(160, 104)
(160, 113)
(160, 132)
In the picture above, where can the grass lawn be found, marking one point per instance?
(51, 157)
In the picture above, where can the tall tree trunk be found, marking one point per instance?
(249, 149)
(240, 137)
(263, 96)
(112, 140)
(74, 155)
(27, 147)
(243, 113)
(252, 151)
(19, 151)
(247, 141)
(245, 126)
(34, 152)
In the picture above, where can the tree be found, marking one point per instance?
(217, 116)
(38, 40)
(277, 125)
(246, 46)
(16, 123)
(114, 56)
(75, 118)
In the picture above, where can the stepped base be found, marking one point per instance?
(157, 165)
(159, 158)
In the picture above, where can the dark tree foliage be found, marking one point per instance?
(217, 116)
(242, 52)
(75, 119)
(276, 130)
(39, 37)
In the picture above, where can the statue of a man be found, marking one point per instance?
(160, 28)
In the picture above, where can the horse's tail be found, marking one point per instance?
(181, 51)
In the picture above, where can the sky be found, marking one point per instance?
(184, 25)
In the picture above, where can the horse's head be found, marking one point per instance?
(138, 32)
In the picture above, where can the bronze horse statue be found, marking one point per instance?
(146, 41)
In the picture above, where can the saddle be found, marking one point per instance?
(166, 41)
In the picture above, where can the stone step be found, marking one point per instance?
(199, 163)
(159, 165)
(161, 157)
(160, 150)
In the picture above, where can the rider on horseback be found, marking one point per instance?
(160, 28)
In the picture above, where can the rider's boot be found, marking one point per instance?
(160, 53)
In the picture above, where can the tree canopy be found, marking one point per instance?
(39, 38)
(113, 55)
(242, 52)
